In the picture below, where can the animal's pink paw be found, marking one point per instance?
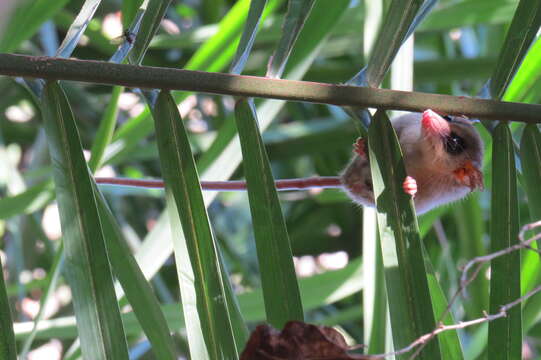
(410, 186)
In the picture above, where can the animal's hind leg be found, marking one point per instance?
(360, 147)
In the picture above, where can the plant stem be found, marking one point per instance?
(251, 86)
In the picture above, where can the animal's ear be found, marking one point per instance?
(434, 125)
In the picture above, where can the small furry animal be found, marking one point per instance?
(443, 158)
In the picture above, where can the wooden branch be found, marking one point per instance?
(251, 86)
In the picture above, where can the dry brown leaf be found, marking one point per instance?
(297, 341)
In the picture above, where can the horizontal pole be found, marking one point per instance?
(321, 182)
(252, 86)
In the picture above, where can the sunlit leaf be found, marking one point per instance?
(525, 85)
(155, 10)
(297, 12)
(398, 20)
(248, 36)
(521, 33)
(25, 21)
(77, 28)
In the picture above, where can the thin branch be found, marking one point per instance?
(252, 86)
(321, 182)
(420, 342)
(463, 324)
(486, 258)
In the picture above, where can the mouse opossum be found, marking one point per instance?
(443, 158)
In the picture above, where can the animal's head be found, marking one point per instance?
(456, 147)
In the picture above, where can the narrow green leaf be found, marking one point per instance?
(248, 36)
(105, 130)
(77, 28)
(452, 15)
(129, 37)
(504, 335)
(87, 266)
(531, 313)
(405, 271)
(30, 200)
(520, 35)
(138, 291)
(297, 13)
(525, 85)
(398, 20)
(229, 30)
(530, 156)
(26, 20)
(278, 279)
(450, 346)
(8, 350)
(155, 10)
(97, 40)
(129, 9)
(238, 325)
(206, 311)
(424, 10)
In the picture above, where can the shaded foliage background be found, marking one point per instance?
(456, 51)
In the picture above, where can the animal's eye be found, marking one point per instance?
(448, 118)
(454, 144)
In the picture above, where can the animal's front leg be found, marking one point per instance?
(410, 186)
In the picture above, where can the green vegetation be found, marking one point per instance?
(158, 274)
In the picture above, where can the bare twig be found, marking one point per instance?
(480, 260)
(251, 86)
(420, 342)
